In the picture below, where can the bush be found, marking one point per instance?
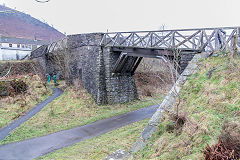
(12, 87)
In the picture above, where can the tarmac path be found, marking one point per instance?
(39, 146)
(4, 132)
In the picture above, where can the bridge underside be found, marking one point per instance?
(130, 58)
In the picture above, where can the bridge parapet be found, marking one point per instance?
(201, 39)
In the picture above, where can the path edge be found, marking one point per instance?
(5, 131)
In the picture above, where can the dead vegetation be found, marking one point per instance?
(228, 145)
(21, 88)
(12, 87)
(177, 123)
(152, 78)
(14, 68)
(19, 95)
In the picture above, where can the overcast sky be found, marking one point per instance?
(82, 16)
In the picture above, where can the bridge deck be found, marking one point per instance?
(201, 39)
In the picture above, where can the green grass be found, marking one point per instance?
(74, 108)
(208, 105)
(12, 108)
(100, 147)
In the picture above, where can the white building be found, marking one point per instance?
(17, 48)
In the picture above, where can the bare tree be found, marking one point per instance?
(174, 69)
(59, 57)
(167, 76)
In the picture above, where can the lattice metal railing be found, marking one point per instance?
(202, 39)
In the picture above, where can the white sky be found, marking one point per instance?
(82, 16)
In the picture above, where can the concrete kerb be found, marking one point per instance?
(167, 103)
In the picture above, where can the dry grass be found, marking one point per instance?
(206, 105)
(13, 107)
(152, 78)
(20, 68)
(151, 83)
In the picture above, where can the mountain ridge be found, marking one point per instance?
(17, 24)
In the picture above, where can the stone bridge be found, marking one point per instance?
(106, 62)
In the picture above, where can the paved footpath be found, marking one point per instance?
(4, 132)
(36, 147)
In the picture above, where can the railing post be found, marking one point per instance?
(173, 40)
(235, 43)
(217, 40)
(151, 39)
(200, 41)
(193, 46)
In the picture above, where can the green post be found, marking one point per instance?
(54, 78)
(49, 78)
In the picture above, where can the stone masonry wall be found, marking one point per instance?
(120, 87)
(39, 56)
(84, 60)
(185, 59)
(93, 65)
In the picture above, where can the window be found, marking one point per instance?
(26, 46)
(18, 45)
(10, 44)
(23, 46)
(30, 46)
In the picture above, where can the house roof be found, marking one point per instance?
(14, 40)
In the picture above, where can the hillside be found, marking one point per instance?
(21, 25)
(208, 123)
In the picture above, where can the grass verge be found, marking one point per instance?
(211, 101)
(74, 108)
(100, 147)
